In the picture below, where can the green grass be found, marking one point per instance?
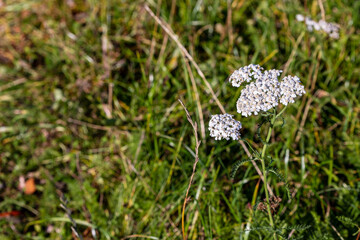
(87, 113)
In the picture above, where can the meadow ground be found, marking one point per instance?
(90, 119)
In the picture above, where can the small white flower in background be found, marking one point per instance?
(223, 126)
(245, 74)
(299, 18)
(331, 29)
(334, 35)
(265, 91)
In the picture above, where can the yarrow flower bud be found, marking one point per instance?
(245, 74)
(223, 126)
(266, 91)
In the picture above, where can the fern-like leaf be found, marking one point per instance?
(258, 132)
(238, 164)
(346, 221)
(300, 227)
(283, 121)
(282, 179)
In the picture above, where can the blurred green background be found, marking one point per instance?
(89, 111)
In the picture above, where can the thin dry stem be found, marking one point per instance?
(256, 166)
(97, 127)
(197, 98)
(139, 146)
(74, 228)
(322, 9)
(291, 233)
(12, 84)
(194, 125)
(105, 46)
(90, 125)
(337, 232)
(110, 97)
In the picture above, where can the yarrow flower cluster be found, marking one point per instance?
(266, 91)
(330, 28)
(263, 92)
(223, 126)
(245, 74)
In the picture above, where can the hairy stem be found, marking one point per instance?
(264, 171)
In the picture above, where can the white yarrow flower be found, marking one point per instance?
(266, 91)
(223, 126)
(300, 18)
(331, 29)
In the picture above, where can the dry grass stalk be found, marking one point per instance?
(197, 98)
(194, 125)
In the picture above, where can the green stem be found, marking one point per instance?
(281, 112)
(264, 170)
